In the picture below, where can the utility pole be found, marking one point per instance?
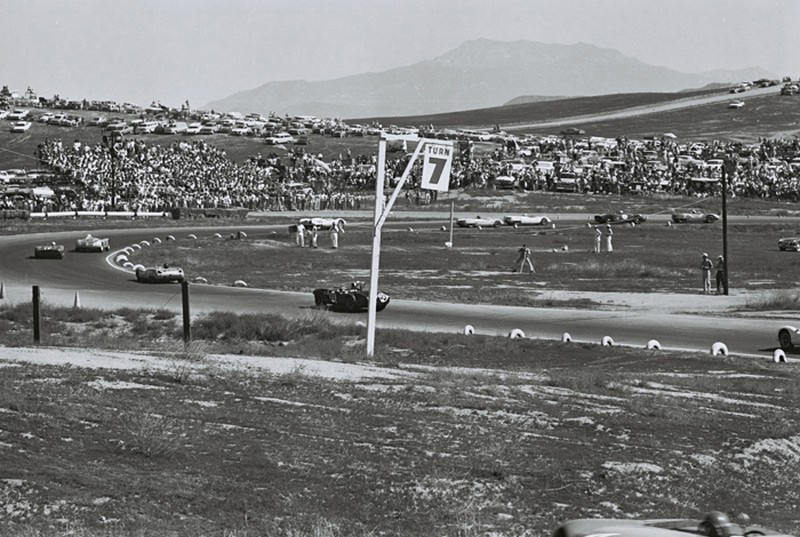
(728, 166)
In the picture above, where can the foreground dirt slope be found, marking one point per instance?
(508, 444)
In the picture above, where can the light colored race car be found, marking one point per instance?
(789, 243)
(694, 216)
(714, 524)
(322, 223)
(787, 335)
(517, 220)
(162, 274)
(49, 251)
(479, 222)
(92, 244)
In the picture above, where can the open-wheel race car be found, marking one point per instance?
(49, 251)
(352, 298)
(92, 244)
(714, 524)
(162, 274)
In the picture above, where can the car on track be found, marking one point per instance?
(92, 244)
(20, 126)
(619, 218)
(162, 274)
(479, 222)
(321, 222)
(713, 524)
(736, 104)
(49, 251)
(352, 298)
(517, 220)
(789, 244)
(694, 216)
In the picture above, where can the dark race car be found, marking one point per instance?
(162, 274)
(349, 299)
(714, 524)
(49, 251)
(619, 218)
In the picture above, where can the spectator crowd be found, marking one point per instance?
(133, 175)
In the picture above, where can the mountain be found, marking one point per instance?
(478, 74)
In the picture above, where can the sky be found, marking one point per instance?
(171, 51)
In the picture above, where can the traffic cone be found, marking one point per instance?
(77, 303)
(2, 290)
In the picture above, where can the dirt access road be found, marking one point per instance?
(652, 109)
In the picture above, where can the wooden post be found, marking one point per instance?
(36, 327)
(187, 327)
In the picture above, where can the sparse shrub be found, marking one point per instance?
(775, 300)
(149, 434)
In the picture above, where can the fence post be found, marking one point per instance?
(36, 327)
(187, 327)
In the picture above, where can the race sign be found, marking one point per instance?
(436, 167)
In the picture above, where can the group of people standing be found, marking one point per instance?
(313, 235)
(707, 266)
(598, 239)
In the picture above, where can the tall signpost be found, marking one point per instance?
(437, 163)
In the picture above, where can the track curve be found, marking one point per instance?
(102, 286)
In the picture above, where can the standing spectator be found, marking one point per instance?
(720, 267)
(598, 239)
(335, 230)
(706, 266)
(300, 236)
(314, 234)
(523, 259)
(609, 235)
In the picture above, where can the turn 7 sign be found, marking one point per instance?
(438, 160)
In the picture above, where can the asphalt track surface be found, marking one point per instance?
(99, 283)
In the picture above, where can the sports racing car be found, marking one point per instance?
(352, 298)
(162, 274)
(92, 244)
(517, 220)
(694, 216)
(714, 524)
(479, 221)
(789, 243)
(49, 251)
(619, 218)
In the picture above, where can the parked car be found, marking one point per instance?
(479, 222)
(713, 524)
(49, 251)
(789, 243)
(162, 274)
(279, 138)
(92, 244)
(567, 182)
(505, 182)
(20, 126)
(694, 216)
(18, 114)
(619, 218)
(517, 220)
(352, 298)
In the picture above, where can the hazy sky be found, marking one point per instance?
(202, 50)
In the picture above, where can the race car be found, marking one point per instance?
(619, 218)
(517, 220)
(92, 244)
(49, 251)
(787, 335)
(322, 223)
(162, 274)
(352, 298)
(789, 243)
(479, 222)
(694, 216)
(714, 524)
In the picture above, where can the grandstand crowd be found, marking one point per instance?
(133, 175)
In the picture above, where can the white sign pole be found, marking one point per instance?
(376, 249)
(436, 173)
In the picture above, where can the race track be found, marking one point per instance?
(101, 285)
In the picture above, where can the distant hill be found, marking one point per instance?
(478, 74)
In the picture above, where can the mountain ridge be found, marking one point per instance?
(477, 74)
